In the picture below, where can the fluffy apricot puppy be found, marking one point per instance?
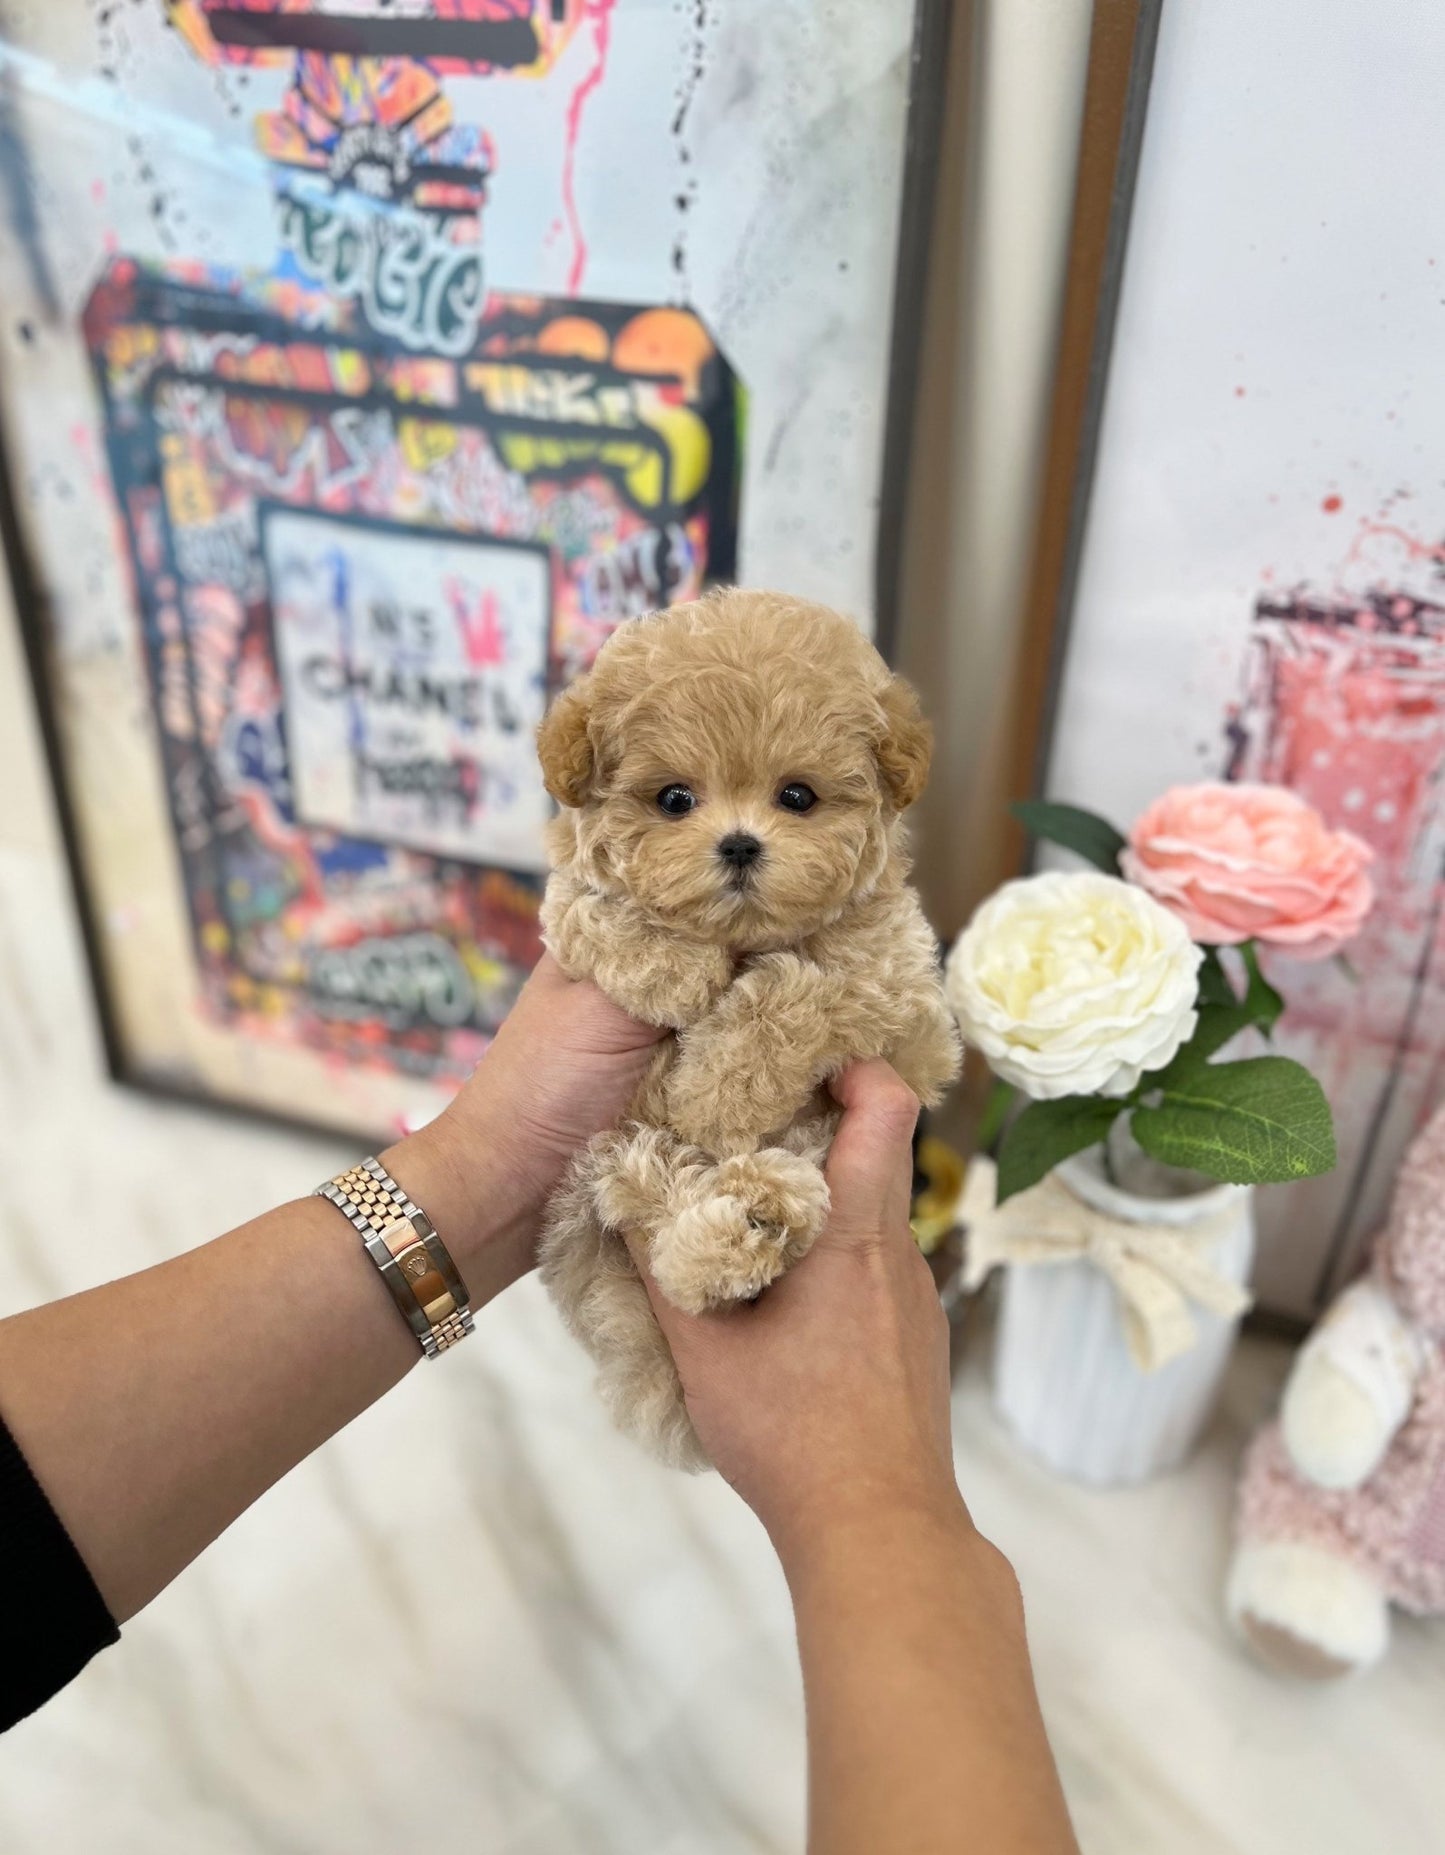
(729, 862)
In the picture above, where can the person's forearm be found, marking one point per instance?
(155, 1409)
(924, 1733)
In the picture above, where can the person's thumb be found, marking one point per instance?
(673, 1322)
(591, 1023)
(870, 1168)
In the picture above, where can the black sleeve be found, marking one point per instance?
(52, 1617)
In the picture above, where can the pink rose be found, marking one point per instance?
(1251, 863)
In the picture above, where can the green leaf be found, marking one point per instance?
(1222, 1015)
(1261, 1000)
(1087, 835)
(995, 1113)
(1045, 1133)
(1218, 1025)
(1256, 1122)
(1347, 967)
(1214, 984)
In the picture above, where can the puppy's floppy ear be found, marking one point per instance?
(905, 746)
(564, 744)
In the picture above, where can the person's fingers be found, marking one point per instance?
(681, 1331)
(597, 1024)
(547, 975)
(870, 1168)
(637, 1250)
(671, 1319)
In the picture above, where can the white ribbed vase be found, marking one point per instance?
(1063, 1376)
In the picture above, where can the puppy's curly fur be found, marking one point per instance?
(774, 963)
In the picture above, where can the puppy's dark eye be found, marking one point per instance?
(796, 797)
(676, 801)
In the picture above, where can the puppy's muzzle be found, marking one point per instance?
(739, 852)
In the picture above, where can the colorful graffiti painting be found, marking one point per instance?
(376, 513)
(365, 362)
(361, 571)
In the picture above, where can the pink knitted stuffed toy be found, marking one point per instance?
(1342, 1501)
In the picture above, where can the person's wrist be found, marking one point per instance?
(478, 1197)
(857, 1564)
(812, 1535)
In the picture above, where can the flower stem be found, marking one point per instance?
(1111, 1172)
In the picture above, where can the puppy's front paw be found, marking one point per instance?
(691, 978)
(641, 1174)
(758, 1215)
(748, 1069)
(704, 1106)
(665, 983)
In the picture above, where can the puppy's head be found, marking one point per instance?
(736, 766)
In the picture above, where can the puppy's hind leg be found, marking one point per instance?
(590, 1274)
(716, 1230)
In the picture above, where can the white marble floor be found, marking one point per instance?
(612, 1673)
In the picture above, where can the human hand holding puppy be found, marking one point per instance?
(826, 1402)
(826, 1405)
(564, 1065)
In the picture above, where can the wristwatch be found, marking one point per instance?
(402, 1241)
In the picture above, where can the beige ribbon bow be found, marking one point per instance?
(1156, 1270)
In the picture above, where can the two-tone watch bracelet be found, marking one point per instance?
(402, 1241)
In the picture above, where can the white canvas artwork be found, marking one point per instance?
(1261, 592)
(414, 672)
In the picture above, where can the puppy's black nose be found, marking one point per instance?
(739, 851)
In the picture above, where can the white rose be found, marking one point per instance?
(1074, 983)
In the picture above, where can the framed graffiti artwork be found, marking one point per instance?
(365, 362)
(1254, 583)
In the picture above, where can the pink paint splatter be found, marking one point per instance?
(1415, 548)
(483, 638)
(1333, 504)
(1239, 392)
(597, 14)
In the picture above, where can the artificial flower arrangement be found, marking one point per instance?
(1107, 992)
